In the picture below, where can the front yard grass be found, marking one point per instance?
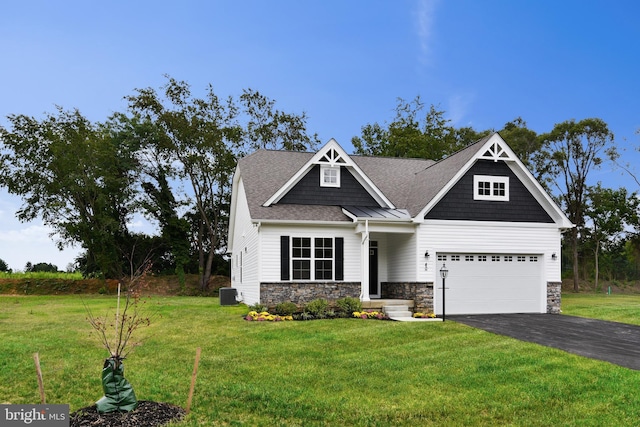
(317, 373)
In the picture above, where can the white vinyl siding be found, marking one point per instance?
(244, 252)
(402, 258)
(466, 237)
(270, 241)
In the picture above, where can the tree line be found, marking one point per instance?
(171, 155)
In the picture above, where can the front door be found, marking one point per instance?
(374, 285)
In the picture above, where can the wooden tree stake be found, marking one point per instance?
(193, 379)
(36, 358)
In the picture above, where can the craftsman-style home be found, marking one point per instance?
(330, 225)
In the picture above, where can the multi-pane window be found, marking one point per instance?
(499, 189)
(482, 258)
(307, 252)
(455, 257)
(495, 258)
(329, 176)
(508, 258)
(301, 257)
(442, 257)
(533, 259)
(522, 258)
(486, 187)
(323, 258)
(468, 257)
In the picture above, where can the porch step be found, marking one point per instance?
(397, 311)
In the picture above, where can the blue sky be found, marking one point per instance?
(344, 63)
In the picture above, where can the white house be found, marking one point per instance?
(330, 225)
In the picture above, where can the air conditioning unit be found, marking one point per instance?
(228, 296)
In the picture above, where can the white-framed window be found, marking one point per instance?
(312, 258)
(329, 176)
(482, 258)
(495, 258)
(508, 258)
(522, 258)
(487, 187)
(442, 257)
(455, 257)
(533, 259)
(468, 257)
(301, 258)
(323, 259)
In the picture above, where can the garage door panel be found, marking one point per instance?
(497, 285)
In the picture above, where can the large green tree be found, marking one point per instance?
(414, 133)
(78, 177)
(196, 141)
(569, 153)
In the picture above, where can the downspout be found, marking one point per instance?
(364, 284)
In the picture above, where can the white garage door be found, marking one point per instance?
(490, 283)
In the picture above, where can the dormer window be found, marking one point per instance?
(486, 187)
(329, 176)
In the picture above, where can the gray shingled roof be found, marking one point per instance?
(408, 183)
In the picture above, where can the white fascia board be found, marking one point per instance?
(340, 224)
(360, 176)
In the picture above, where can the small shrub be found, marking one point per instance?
(303, 316)
(286, 308)
(317, 307)
(257, 307)
(349, 305)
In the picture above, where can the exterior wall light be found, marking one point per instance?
(554, 256)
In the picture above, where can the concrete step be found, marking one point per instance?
(397, 311)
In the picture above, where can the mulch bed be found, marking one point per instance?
(147, 414)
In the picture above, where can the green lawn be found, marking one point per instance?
(319, 373)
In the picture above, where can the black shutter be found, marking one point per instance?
(339, 258)
(284, 257)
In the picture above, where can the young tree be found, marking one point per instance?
(4, 266)
(570, 152)
(609, 212)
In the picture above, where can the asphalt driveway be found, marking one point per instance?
(612, 342)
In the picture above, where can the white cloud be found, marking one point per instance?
(425, 13)
(458, 106)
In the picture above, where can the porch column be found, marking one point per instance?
(364, 264)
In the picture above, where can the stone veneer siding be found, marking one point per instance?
(420, 292)
(554, 296)
(272, 293)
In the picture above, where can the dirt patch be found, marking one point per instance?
(147, 414)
